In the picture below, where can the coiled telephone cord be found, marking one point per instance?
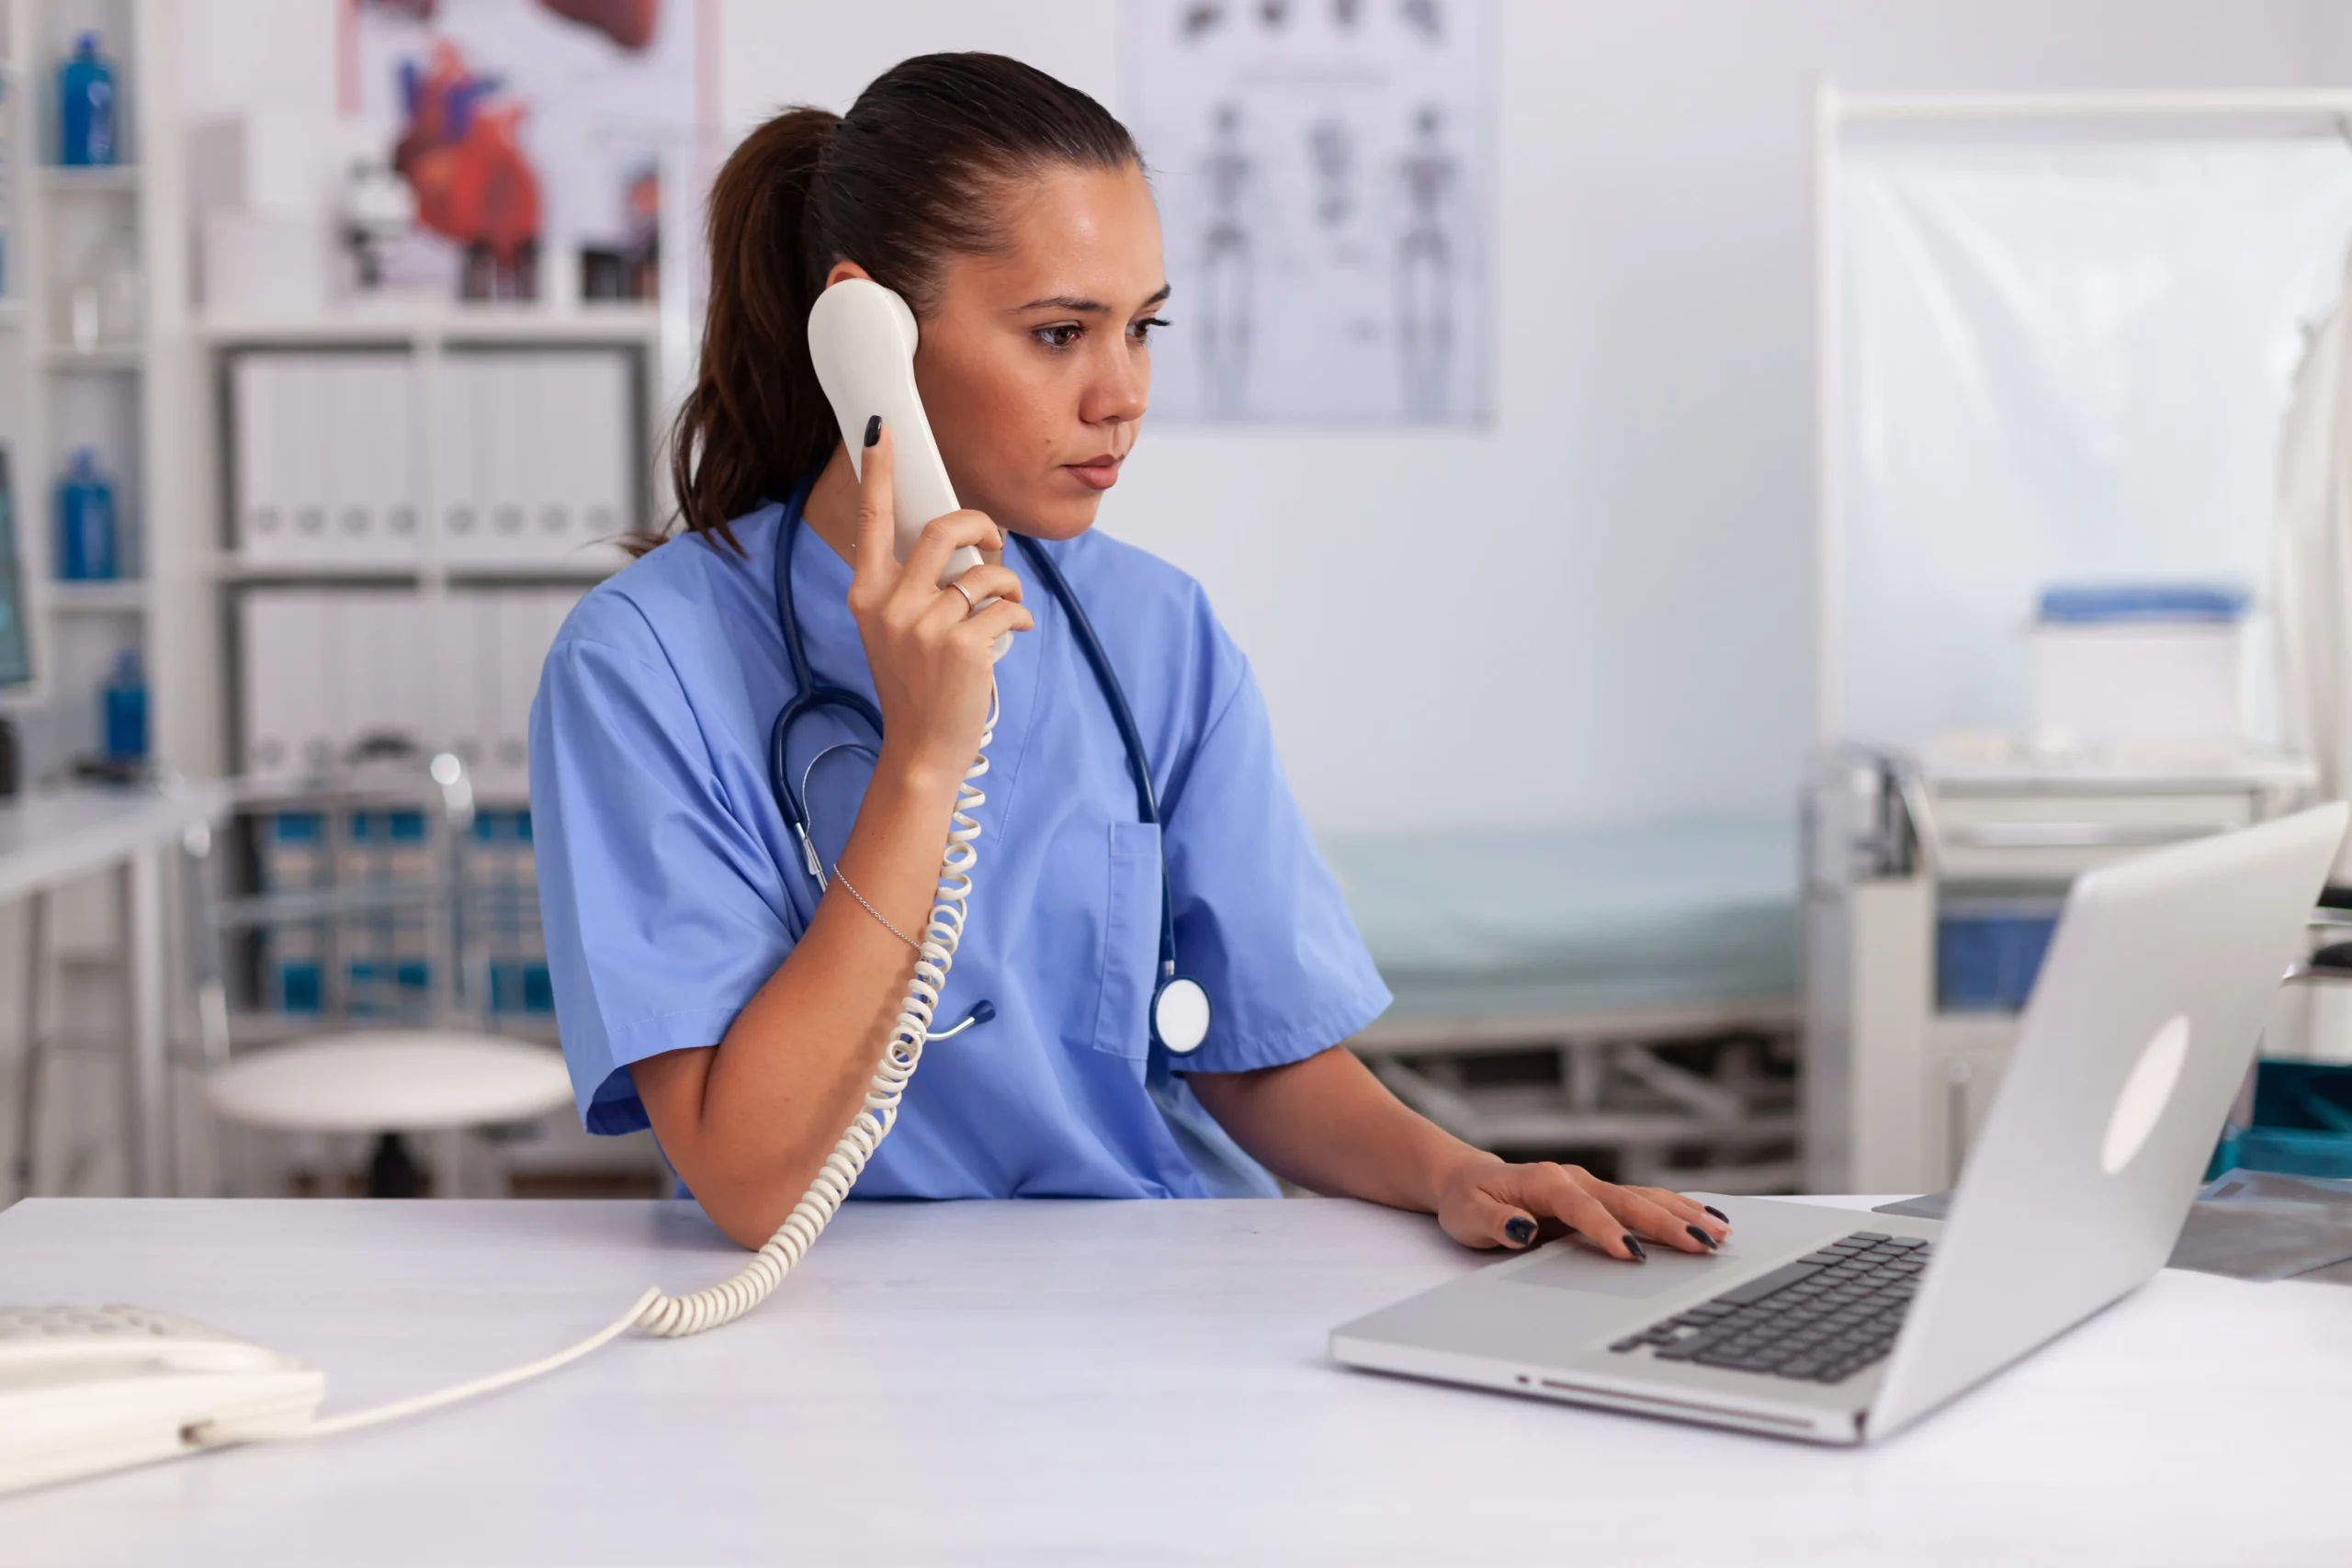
(675, 1316)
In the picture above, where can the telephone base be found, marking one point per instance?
(85, 1390)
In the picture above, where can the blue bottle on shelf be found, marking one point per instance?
(125, 701)
(85, 104)
(84, 521)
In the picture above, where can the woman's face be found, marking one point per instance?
(1035, 368)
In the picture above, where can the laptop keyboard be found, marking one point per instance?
(1820, 1319)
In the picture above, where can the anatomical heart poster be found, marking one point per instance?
(528, 141)
(1324, 169)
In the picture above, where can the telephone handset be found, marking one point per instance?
(863, 338)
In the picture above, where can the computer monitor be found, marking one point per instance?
(16, 626)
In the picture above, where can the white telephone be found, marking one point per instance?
(84, 1391)
(863, 338)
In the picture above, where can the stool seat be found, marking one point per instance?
(391, 1080)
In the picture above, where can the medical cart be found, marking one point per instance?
(1932, 890)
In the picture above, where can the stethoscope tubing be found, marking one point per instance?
(812, 697)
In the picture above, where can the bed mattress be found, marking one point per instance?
(1582, 920)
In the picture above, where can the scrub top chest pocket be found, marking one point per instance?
(1130, 941)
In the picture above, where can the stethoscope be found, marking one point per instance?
(1180, 1008)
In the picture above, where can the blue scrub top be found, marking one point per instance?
(671, 889)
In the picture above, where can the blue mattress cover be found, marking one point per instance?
(1570, 919)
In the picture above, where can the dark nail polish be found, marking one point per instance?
(1636, 1248)
(1698, 1235)
(1717, 1213)
(1521, 1229)
(874, 429)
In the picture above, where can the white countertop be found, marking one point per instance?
(1108, 1383)
(51, 835)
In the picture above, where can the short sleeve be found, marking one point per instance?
(664, 912)
(1260, 923)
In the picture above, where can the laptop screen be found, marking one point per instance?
(15, 637)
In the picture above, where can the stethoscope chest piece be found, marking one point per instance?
(1180, 1016)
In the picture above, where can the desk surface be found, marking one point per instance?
(52, 836)
(1108, 1383)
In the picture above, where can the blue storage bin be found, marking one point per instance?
(2302, 1123)
(1989, 953)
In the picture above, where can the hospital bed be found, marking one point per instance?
(1630, 990)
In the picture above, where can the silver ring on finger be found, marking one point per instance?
(971, 605)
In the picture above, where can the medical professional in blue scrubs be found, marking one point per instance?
(706, 985)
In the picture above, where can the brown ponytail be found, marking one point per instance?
(904, 181)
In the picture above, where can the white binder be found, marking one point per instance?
(600, 468)
(345, 451)
(374, 479)
(548, 455)
(285, 686)
(465, 703)
(511, 384)
(305, 456)
(523, 624)
(380, 689)
(464, 441)
(263, 529)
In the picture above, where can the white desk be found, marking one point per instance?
(1108, 1383)
(50, 838)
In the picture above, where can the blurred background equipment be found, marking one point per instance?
(2056, 335)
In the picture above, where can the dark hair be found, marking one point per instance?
(901, 184)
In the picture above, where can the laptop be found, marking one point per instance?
(1837, 1327)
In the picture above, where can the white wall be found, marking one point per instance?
(1601, 607)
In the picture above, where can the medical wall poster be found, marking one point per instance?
(1325, 172)
(527, 142)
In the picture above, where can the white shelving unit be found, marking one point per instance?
(127, 396)
(429, 332)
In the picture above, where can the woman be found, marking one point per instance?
(703, 981)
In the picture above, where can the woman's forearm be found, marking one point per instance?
(1328, 1125)
(749, 1122)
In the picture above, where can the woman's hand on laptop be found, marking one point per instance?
(1487, 1202)
(1327, 1123)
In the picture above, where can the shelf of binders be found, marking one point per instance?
(535, 453)
(325, 667)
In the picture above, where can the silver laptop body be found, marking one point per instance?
(2138, 1035)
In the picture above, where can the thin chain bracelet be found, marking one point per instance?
(872, 911)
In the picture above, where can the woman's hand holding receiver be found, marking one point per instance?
(930, 650)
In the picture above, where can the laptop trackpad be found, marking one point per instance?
(1763, 1229)
(1569, 1266)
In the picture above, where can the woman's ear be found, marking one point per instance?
(841, 269)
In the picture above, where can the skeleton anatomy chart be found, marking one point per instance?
(1324, 171)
